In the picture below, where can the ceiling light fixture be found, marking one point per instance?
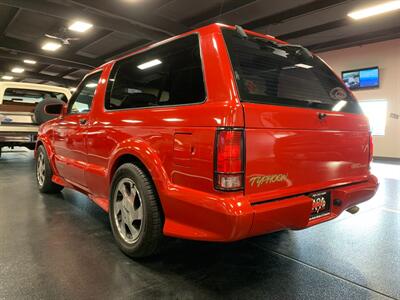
(80, 26)
(30, 61)
(375, 10)
(91, 85)
(72, 89)
(149, 64)
(338, 106)
(18, 70)
(304, 66)
(51, 46)
(6, 77)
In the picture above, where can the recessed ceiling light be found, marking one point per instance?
(91, 85)
(51, 46)
(80, 26)
(149, 64)
(375, 10)
(6, 77)
(18, 70)
(30, 61)
(304, 66)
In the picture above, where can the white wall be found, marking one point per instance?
(385, 55)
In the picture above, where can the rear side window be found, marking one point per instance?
(26, 96)
(170, 74)
(271, 73)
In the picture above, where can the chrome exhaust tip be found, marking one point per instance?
(353, 210)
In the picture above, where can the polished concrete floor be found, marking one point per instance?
(60, 247)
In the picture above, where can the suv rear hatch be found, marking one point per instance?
(17, 106)
(305, 131)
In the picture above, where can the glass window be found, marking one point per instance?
(273, 73)
(81, 102)
(376, 112)
(170, 74)
(26, 96)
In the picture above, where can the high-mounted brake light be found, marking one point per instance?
(229, 159)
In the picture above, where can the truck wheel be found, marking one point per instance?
(44, 173)
(135, 213)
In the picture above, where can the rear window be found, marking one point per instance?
(271, 73)
(170, 74)
(27, 96)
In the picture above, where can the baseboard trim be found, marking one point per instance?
(392, 160)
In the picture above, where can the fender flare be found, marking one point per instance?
(142, 151)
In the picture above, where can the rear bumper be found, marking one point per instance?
(18, 129)
(16, 138)
(213, 218)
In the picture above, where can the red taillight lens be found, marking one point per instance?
(371, 147)
(229, 162)
(229, 151)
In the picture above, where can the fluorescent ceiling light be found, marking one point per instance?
(375, 10)
(91, 85)
(6, 77)
(80, 26)
(30, 61)
(149, 64)
(51, 46)
(18, 70)
(339, 105)
(304, 66)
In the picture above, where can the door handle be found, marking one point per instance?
(321, 116)
(82, 121)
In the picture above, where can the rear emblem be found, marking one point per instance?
(7, 120)
(338, 93)
(259, 180)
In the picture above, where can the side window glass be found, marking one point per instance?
(170, 74)
(82, 100)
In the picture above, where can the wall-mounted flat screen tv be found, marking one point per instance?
(362, 78)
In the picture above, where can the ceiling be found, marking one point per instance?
(121, 26)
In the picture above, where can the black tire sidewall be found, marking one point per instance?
(48, 185)
(40, 114)
(136, 249)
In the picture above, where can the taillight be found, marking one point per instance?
(229, 159)
(371, 147)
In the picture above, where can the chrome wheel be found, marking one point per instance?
(40, 169)
(128, 210)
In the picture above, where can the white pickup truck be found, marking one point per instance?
(18, 102)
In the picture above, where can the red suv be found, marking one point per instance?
(218, 134)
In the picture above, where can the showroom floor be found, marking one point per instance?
(60, 246)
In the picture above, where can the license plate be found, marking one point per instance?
(321, 204)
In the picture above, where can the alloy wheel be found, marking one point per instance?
(40, 169)
(128, 210)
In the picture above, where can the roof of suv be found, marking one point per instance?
(215, 25)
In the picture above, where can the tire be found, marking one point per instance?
(44, 173)
(140, 207)
(41, 116)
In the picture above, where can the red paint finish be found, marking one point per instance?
(176, 144)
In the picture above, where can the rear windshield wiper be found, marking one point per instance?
(300, 49)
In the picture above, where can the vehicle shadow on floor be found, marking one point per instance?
(187, 269)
